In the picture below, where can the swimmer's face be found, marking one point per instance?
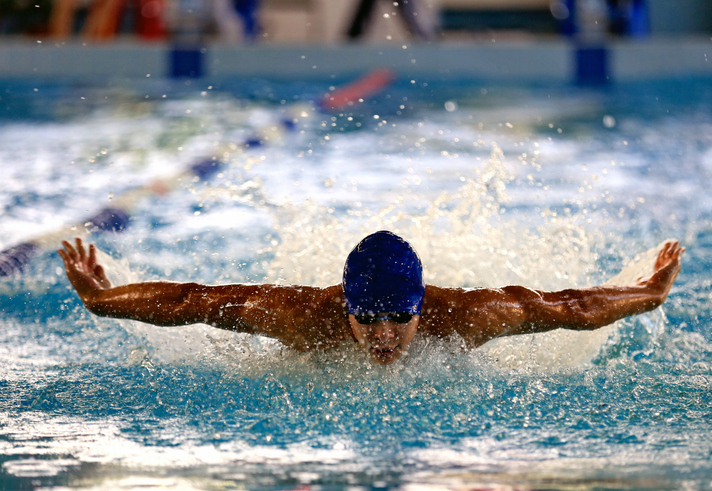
(384, 338)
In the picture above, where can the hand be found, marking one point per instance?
(86, 276)
(667, 267)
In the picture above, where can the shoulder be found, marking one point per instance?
(437, 298)
(445, 308)
(303, 304)
(278, 297)
(321, 319)
(302, 317)
(476, 314)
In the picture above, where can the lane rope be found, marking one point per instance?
(116, 218)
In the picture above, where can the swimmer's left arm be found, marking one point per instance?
(592, 308)
(485, 314)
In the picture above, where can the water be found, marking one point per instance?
(549, 187)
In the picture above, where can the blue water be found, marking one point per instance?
(549, 187)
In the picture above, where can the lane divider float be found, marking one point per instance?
(116, 217)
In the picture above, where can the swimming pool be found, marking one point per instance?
(546, 186)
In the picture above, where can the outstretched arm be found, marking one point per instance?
(484, 314)
(298, 316)
(157, 303)
(592, 308)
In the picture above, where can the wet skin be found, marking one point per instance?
(386, 341)
(307, 318)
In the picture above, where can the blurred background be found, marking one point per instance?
(340, 21)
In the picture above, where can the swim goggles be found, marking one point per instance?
(397, 317)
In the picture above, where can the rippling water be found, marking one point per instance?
(548, 187)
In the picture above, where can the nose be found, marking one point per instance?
(383, 331)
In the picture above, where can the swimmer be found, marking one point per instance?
(382, 302)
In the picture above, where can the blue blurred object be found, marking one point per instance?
(186, 62)
(247, 10)
(14, 259)
(639, 23)
(205, 168)
(568, 22)
(592, 66)
(629, 17)
(625, 17)
(110, 220)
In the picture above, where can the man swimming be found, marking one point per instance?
(382, 302)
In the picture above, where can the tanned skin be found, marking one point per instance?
(307, 318)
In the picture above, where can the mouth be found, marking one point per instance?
(385, 355)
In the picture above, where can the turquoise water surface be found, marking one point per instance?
(548, 187)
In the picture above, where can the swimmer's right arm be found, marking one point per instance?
(281, 312)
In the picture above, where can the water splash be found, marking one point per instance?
(101, 397)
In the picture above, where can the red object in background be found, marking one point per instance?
(149, 19)
(368, 85)
(105, 16)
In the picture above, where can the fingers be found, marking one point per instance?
(80, 249)
(71, 252)
(672, 247)
(670, 251)
(675, 251)
(78, 253)
(680, 251)
(64, 256)
(92, 256)
(669, 248)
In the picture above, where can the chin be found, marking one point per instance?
(383, 357)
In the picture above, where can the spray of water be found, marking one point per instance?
(466, 239)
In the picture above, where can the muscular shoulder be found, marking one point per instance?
(324, 308)
(302, 317)
(477, 315)
(318, 318)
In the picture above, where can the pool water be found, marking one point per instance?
(548, 187)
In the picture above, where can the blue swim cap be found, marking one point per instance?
(383, 273)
